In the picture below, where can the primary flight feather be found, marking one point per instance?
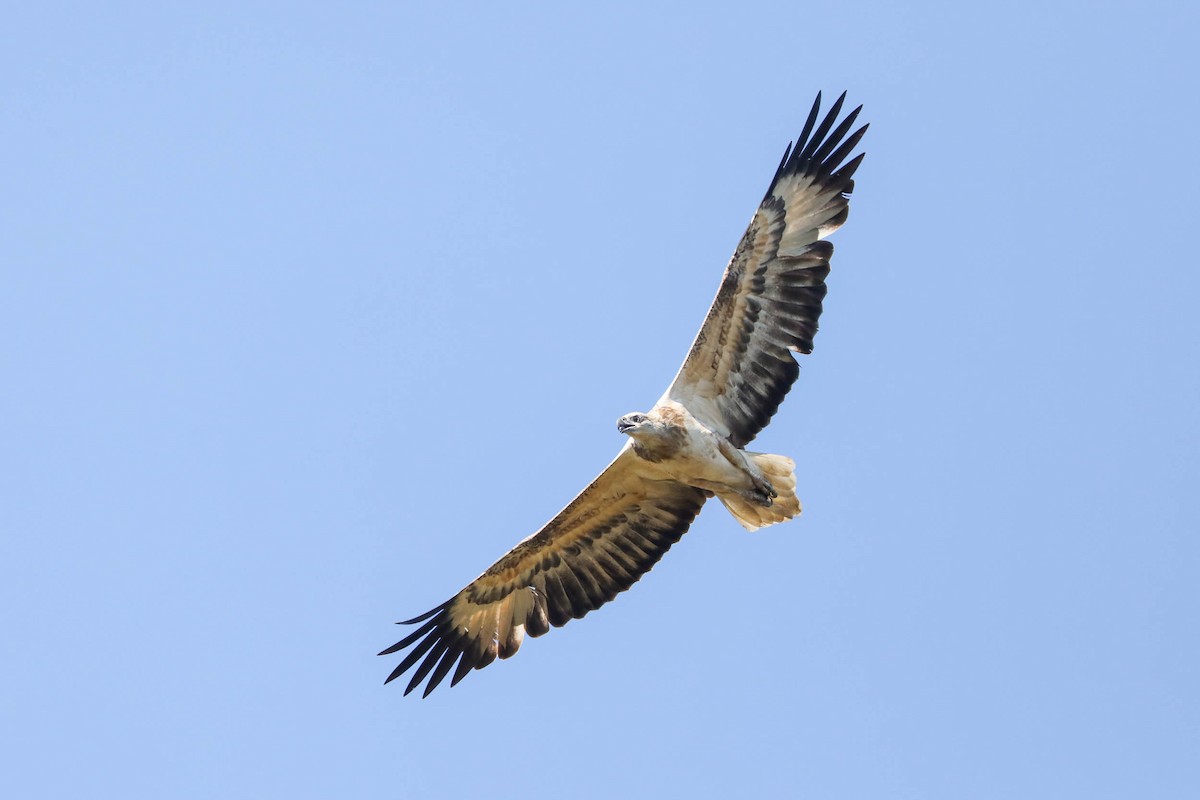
(689, 446)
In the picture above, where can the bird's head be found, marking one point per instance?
(630, 423)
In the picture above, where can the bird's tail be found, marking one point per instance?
(779, 470)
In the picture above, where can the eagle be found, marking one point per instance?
(689, 447)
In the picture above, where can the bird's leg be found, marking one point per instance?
(761, 491)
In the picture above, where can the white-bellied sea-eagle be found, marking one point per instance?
(689, 446)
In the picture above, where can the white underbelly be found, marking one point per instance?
(700, 462)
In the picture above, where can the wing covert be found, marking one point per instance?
(614, 532)
(740, 366)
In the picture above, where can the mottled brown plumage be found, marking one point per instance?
(687, 447)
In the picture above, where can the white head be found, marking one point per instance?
(635, 421)
(654, 435)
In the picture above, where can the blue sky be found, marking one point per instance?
(310, 313)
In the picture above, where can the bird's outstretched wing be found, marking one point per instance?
(596, 547)
(739, 368)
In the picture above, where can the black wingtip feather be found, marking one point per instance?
(844, 175)
(837, 156)
(434, 656)
(412, 637)
(469, 659)
(414, 656)
(424, 616)
(443, 667)
(821, 156)
(819, 134)
(820, 147)
(787, 152)
(809, 122)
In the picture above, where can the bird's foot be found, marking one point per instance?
(764, 493)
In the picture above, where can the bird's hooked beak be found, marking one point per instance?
(629, 422)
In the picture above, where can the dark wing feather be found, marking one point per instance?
(741, 366)
(598, 546)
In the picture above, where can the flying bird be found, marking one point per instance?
(689, 446)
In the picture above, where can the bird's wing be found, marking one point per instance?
(739, 368)
(598, 546)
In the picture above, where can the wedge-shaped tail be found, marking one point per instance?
(780, 471)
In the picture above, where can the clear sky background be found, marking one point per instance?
(309, 313)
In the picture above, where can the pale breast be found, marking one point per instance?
(695, 454)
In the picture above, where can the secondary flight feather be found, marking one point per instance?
(689, 446)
